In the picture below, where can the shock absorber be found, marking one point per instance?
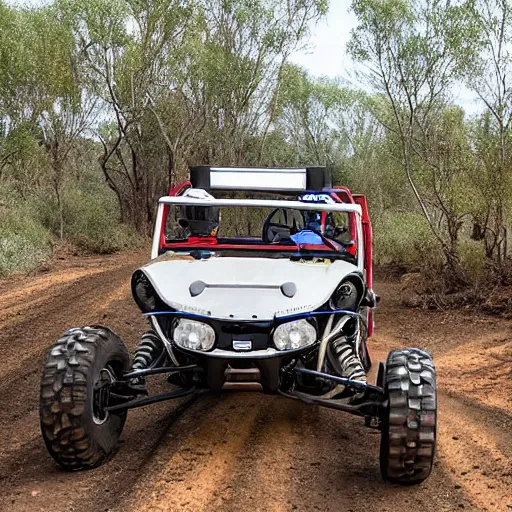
(346, 359)
(149, 350)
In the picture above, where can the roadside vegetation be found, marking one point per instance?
(104, 104)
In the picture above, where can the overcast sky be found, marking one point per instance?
(326, 55)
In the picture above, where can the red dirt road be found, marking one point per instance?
(247, 451)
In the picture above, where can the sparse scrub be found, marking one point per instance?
(91, 221)
(472, 259)
(24, 242)
(402, 238)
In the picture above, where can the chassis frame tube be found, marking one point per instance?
(342, 380)
(358, 410)
(163, 338)
(141, 402)
(162, 369)
(338, 328)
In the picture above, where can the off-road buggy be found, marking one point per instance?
(275, 291)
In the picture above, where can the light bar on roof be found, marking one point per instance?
(282, 180)
(245, 178)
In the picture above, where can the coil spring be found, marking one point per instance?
(149, 349)
(348, 360)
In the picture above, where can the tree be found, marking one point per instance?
(125, 46)
(490, 77)
(42, 101)
(247, 46)
(413, 52)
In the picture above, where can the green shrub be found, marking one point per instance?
(472, 259)
(404, 238)
(24, 242)
(91, 221)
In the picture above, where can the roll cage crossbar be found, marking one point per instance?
(264, 203)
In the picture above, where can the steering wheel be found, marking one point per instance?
(290, 222)
(275, 232)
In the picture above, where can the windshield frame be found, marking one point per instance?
(159, 242)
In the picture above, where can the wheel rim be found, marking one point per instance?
(101, 396)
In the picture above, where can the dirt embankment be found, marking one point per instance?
(244, 451)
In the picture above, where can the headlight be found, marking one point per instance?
(294, 335)
(193, 335)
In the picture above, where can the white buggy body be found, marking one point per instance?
(245, 288)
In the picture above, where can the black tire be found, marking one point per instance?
(409, 423)
(77, 433)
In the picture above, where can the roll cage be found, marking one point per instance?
(280, 182)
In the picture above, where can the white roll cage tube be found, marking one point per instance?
(260, 203)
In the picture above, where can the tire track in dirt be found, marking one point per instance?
(461, 371)
(25, 298)
(289, 457)
(191, 477)
(25, 467)
(21, 362)
(260, 477)
(78, 302)
(481, 464)
(318, 459)
(242, 451)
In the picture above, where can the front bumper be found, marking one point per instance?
(268, 362)
(268, 353)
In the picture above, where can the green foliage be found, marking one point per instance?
(35, 61)
(405, 239)
(91, 221)
(24, 242)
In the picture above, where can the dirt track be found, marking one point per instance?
(246, 451)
